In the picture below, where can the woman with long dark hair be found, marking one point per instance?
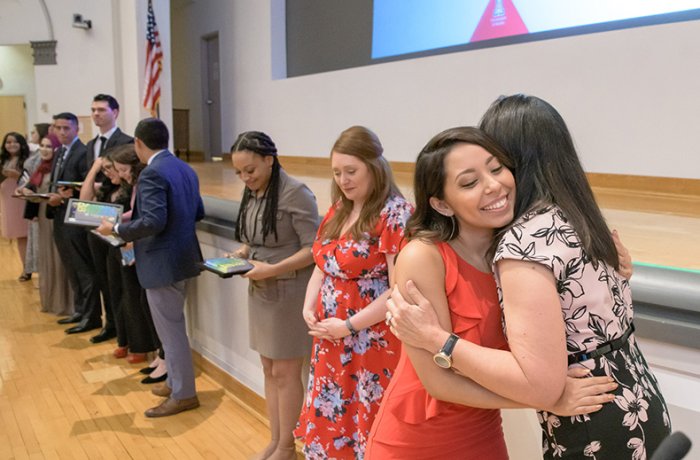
(133, 320)
(276, 225)
(14, 151)
(564, 302)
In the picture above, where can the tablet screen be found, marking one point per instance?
(90, 213)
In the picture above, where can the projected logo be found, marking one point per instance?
(501, 19)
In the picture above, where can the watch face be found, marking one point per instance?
(442, 360)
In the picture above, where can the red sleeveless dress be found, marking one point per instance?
(413, 425)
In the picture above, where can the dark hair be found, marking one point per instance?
(547, 169)
(153, 133)
(42, 129)
(126, 155)
(113, 104)
(106, 192)
(23, 150)
(67, 116)
(429, 180)
(361, 143)
(261, 144)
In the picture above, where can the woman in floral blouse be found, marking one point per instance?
(563, 301)
(354, 354)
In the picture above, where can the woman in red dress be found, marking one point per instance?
(354, 354)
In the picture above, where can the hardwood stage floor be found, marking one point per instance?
(62, 397)
(657, 228)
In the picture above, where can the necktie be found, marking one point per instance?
(103, 144)
(60, 160)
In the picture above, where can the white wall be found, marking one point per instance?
(108, 58)
(629, 96)
(17, 74)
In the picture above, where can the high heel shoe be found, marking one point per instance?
(135, 358)
(148, 380)
(120, 352)
(24, 277)
(147, 370)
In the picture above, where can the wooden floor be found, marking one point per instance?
(63, 397)
(657, 228)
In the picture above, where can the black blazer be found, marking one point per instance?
(74, 169)
(117, 138)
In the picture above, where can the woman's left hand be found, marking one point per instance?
(583, 393)
(415, 324)
(335, 328)
(260, 271)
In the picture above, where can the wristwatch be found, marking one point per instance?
(443, 358)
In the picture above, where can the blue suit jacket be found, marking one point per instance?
(162, 225)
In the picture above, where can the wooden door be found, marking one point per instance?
(13, 115)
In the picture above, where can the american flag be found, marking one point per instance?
(154, 64)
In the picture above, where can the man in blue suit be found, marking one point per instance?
(167, 253)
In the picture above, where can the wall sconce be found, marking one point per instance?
(80, 23)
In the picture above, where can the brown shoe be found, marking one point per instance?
(162, 390)
(172, 406)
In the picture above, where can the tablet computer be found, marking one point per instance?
(33, 197)
(69, 184)
(112, 240)
(226, 267)
(91, 213)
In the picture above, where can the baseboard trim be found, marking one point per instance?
(646, 184)
(242, 393)
(628, 182)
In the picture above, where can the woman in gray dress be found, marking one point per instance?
(277, 223)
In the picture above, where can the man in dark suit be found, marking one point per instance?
(167, 253)
(104, 110)
(71, 241)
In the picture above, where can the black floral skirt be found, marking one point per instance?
(630, 427)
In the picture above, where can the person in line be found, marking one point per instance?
(135, 328)
(354, 354)
(277, 223)
(459, 174)
(31, 258)
(109, 190)
(14, 151)
(70, 165)
(104, 112)
(54, 289)
(162, 227)
(563, 300)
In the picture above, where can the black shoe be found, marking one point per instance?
(147, 370)
(103, 336)
(149, 379)
(83, 326)
(74, 318)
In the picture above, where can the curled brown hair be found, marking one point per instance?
(429, 180)
(361, 143)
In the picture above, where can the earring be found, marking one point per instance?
(453, 230)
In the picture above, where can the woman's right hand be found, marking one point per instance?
(583, 394)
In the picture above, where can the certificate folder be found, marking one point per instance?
(91, 213)
(226, 267)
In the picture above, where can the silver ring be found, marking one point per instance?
(388, 319)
